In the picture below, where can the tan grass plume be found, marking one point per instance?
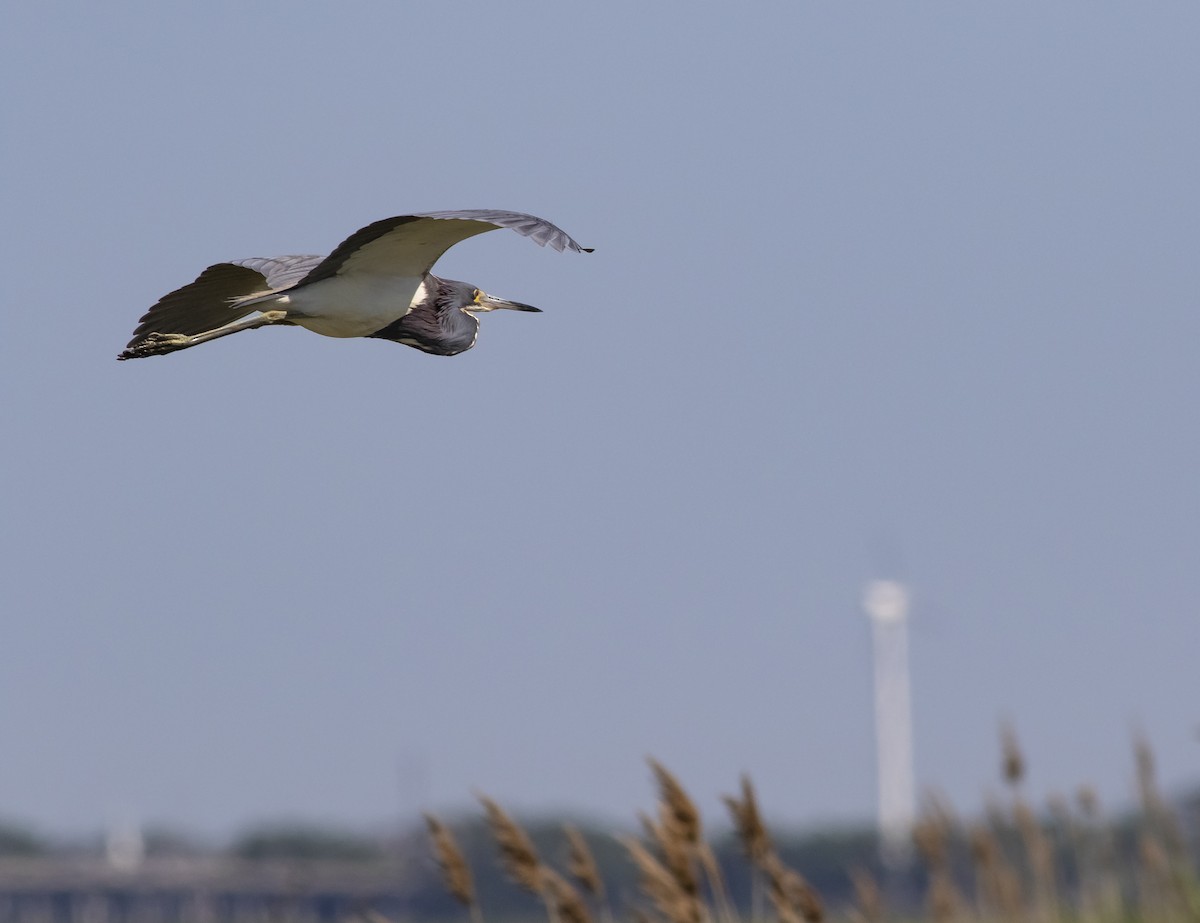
(791, 895)
(680, 826)
(568, 905)
(675, 852)
(661, 886)
(581, 864)
(517, 853)
(868, 896)
(455, 871)
(678, 810)
(1039, 853)
(1012, 760)
(748, 822)
(997, 884)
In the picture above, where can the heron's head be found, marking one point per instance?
(467, 297)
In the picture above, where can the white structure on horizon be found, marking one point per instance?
(886, 604)
(124, 847)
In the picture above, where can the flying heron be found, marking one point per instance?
(376, 283)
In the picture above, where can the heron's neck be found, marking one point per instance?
(459, 328)
(426, 294)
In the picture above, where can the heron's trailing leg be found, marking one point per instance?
(159, 344)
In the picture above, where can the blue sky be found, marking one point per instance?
(896, 291)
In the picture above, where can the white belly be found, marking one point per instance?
(354, 306)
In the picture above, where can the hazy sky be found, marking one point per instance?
(879, 290)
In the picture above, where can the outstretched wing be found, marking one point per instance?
(405, 246)
(408, 245)
(212, 301)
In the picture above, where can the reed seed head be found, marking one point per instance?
(791, 895)
(581, 864)
(517, 854)
(676, 852)
(677, 808)
(568, 905)
(1012, 760)
(455, 872)
(661, 886)
(868, 897)
(747, 820)
(945, 902)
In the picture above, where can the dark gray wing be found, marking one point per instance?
(212, 300)
(407, 246)
(541, 231)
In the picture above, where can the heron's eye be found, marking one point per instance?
(476, 296)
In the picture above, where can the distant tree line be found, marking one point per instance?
(832, 860)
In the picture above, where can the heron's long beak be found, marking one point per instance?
(492, 303)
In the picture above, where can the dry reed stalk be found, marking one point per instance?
(1010, 893)
(1012, 760)
(517, 854)
(1167, 873)
(754, 837)
(997, 815)
(1040, 856)
(784, 912)
(748, 822)
(661, 886)
(985, 858)
(868, 896)
(777, 888)
(930, 836)
(1099, 880)
(934, 829)
(1065, 838)
(997, 884)
(1143, 758)
(567, 903)
(791, 895)
(675, 852)
(1154, 875)
(680, 827)
(1167, 885)
(455, 872)
(943, 899)
(716, 881)
(581, 864)
(1089, 802)
(1060, 812)
(678, 811)
(1159, 816)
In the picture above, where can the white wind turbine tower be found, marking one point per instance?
(886, 604)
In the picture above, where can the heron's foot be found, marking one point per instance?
(156, 344)
(159, 344)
